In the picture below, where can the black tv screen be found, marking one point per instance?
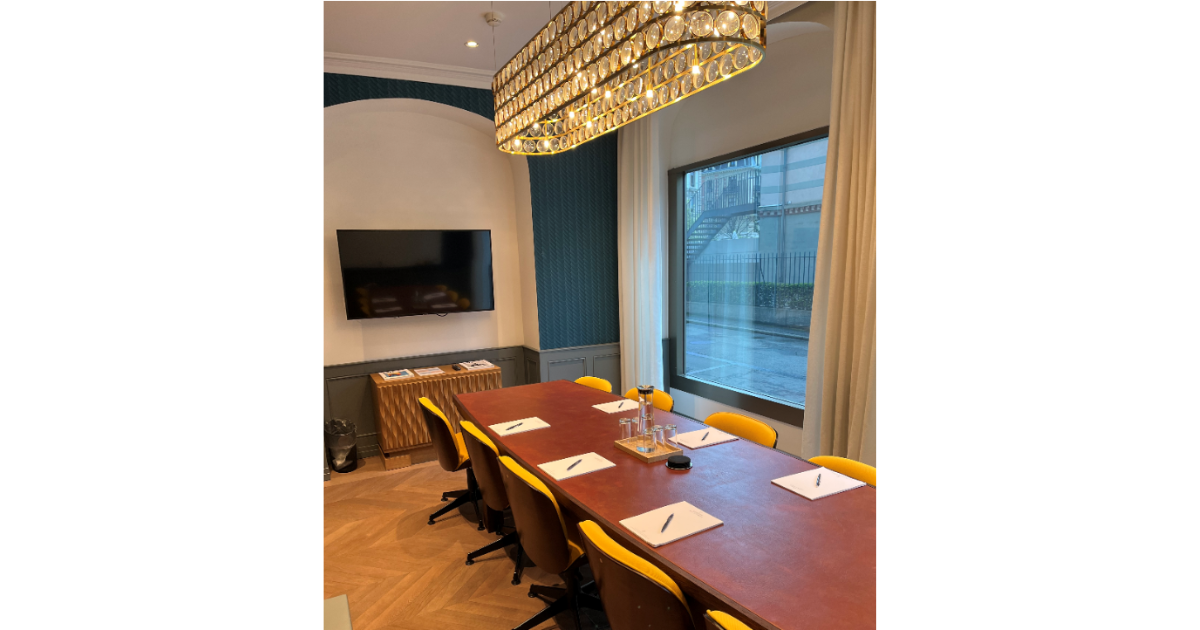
(396, 273)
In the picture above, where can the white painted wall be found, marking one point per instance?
(788, 93)
(412, 164)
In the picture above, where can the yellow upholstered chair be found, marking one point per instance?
(543, 534)
(849, 467)
(595, 382)
(744, 427)
(485, 461)
(453, 457)
(717, 620)
(639, 594)
(660, 399)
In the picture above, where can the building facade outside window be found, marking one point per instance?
(744, 237)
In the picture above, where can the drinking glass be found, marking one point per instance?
(669, 432)
(626, 428)
(658, 437)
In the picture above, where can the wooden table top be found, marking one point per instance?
(779, 560)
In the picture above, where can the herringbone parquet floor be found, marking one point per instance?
(402, 574)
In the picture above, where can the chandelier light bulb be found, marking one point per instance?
(607, 94)
(695, 69)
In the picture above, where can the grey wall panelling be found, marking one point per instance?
(348, 386)
(602, 360)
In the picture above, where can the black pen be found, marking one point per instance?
(818, 480)
(515, 425)
(621, 405)
(705, 436)
(576, 463)
(667, 523)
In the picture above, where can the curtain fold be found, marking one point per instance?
(641, 228)
(840, 398)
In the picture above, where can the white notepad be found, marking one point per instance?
(430, 371)
(512, 428)
(588, 462)
(805, 483)
(688, 520)
(691, 439)
(617, 406)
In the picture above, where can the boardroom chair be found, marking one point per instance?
(453, 457)
(744, 427)
(543, 534)
(595, 382)
(486, 464)
(637, 594)
(717, 620)
(849, 467)
(660, 399)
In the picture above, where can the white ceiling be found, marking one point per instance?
(426, 41)
(433, 32)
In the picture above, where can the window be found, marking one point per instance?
(743, 257)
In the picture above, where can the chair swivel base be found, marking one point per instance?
(570, 597)
(466, 496)
(500, 543)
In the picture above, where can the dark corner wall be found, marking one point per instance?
(574, 198)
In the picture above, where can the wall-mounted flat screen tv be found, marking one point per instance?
(396, 273)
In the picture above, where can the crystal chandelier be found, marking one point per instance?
(599, 65)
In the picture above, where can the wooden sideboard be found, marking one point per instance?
(398, 414)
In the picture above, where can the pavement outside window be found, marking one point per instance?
(765, 360)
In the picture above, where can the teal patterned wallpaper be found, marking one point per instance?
(574, 197)
(575, 244)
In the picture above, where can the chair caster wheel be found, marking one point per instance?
(431, 521)
(470, 562)
(480, 528)
(531, 596)
(517, 583)
(444, 499)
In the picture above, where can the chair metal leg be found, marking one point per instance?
(450, 506)
(473, 490)
(500, 543)
(453, 494)
(520, 559)
(548, 612)
(536, 590)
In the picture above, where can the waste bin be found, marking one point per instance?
(340, 443)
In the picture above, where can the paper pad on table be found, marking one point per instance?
(691, 439)
(688, 520)
(588, 462)
(527, 424)
(805, 483)
(618, 405)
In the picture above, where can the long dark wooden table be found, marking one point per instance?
(779, 561)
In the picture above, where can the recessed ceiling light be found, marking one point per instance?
(472, 44)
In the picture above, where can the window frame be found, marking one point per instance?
(675, 257)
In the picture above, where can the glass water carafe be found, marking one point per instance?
(645, 421)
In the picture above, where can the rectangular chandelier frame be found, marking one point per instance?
(598, 66)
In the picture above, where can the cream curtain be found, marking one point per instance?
(839, 416)
(641, 230)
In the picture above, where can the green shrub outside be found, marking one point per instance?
(766, 294)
